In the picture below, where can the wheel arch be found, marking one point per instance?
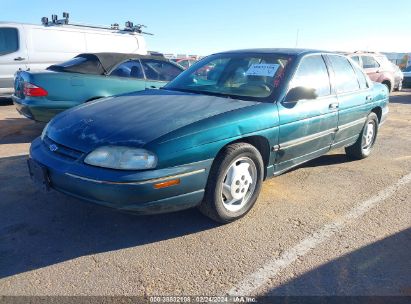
(378, 112)
(94, 98)
(389, 84)
(260, 143)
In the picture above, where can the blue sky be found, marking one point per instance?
(204, 27)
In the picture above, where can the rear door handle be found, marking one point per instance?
(19, 58)
(368, 98)
(333, 106)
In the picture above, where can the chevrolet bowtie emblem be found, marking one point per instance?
(53, 148)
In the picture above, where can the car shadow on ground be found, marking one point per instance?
(327, 160)
(19, 130)
(38, 230)
(383, 268)
(5, 101)
(401, 99)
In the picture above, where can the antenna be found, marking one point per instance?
(296, 39)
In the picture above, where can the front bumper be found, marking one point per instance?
(125, 190)
(40, 109)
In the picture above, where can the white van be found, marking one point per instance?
(35, 47)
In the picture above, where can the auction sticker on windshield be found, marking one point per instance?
(268, 70)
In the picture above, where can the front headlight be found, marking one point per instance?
(123, 158)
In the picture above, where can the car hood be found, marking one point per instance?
(135, 119)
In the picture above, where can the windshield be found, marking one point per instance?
(408, 69)
(242, 76)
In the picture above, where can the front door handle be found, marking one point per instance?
(333, 106)
(19, 58)
(368, 98)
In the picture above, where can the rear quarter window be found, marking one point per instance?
(79, 64)
(369, 62)
(362, 79)
(159, 70)
(9, 40)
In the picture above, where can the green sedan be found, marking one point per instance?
(42, 95)
(209, 140)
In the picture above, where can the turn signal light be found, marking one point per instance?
(33, 90)
(166, 184)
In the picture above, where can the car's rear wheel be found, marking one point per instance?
(234, 183)
(388, 85)
(365, 142)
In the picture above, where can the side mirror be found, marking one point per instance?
(300, 93)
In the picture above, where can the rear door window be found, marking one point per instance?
(345, 77)
(9, 40)
(312, 73)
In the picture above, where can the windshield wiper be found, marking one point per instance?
(208, 93)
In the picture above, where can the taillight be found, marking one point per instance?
(33, 90)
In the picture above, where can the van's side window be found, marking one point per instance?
(345, 77)
(9, 40)
(312, 73)
(131, 68)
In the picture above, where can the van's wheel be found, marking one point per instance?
(365, 142)
(234, 183)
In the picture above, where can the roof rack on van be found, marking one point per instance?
(129, 26)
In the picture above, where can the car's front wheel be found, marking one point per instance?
(365, 142)
(234, 183)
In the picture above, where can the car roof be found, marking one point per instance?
(107, 61)
(282, 51)
(365, 53)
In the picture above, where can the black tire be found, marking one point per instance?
(359, 150)
(213, 205)
(388, 85)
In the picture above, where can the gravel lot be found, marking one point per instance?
(309, 233)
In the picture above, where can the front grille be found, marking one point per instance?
(61, 150)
